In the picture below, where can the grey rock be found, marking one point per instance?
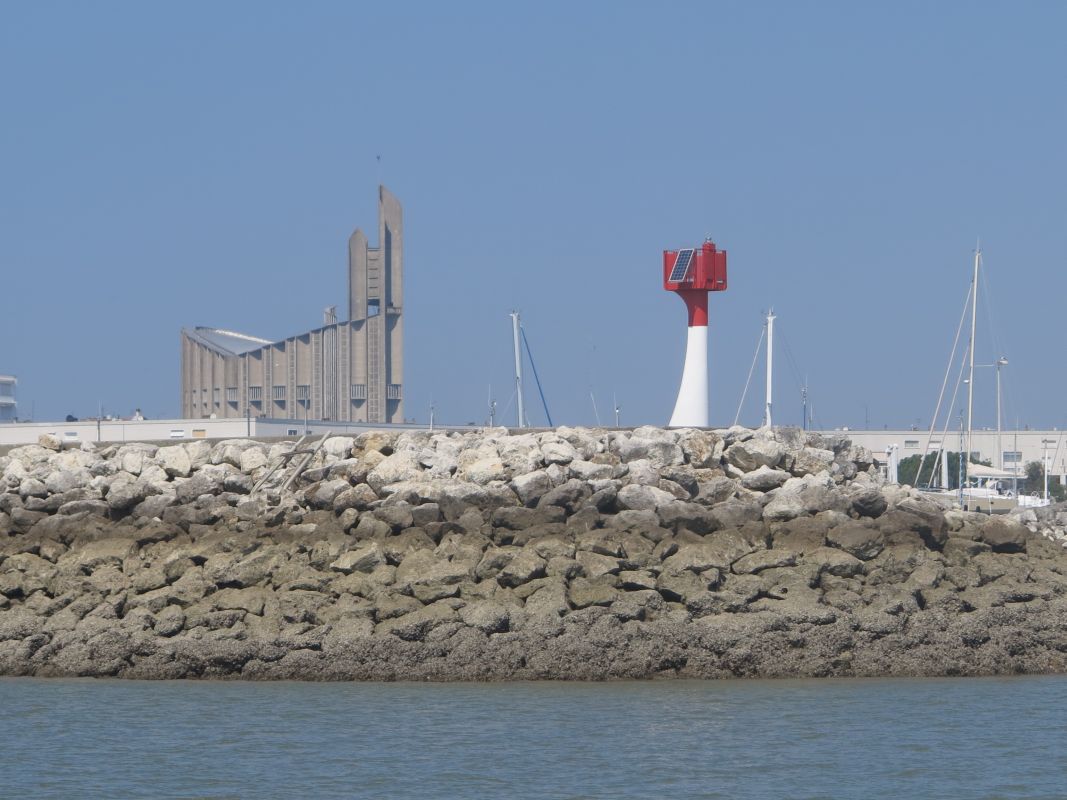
(123, 496)
(364, 558)
(857, 540)
(764, 478)
(635, 497)
(531, 486)
(523, 568)
(869, 503)
(755, 453)
(568, 496)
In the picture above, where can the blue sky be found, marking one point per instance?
(204, 163)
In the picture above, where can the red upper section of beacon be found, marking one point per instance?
(698, 269)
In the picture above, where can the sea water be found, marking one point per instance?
(932, 738)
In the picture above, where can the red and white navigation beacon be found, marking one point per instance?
(691, 273)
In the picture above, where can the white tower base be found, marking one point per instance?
(691, 409)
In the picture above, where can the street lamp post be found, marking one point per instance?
(1001, 362)
(1044, 465)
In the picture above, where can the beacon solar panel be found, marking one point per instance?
(681, 266)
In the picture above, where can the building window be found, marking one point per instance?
(1013, 457)
(278, 392)
(215, 395)
(303, 391)
(255, 393)
(231, 394)
(358, 391)
(392, 391)
(911, 444)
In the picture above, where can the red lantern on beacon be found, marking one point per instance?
(692, 273)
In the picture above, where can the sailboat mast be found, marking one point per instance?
(770, 370)
(970, 381)
(515, 328)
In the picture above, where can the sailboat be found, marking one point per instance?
(981, 488)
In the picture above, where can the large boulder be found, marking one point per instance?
(869, 503)
(403, 466)
(530, 486)
(175, 461)
(799, 496)
(49, 441)
(338, 447)
(523, 568)
(753, 454)
(559, 452)
(1004, 536)
(253, 458)
(701, 449)
(364, 558)
(764, 479)
(856, 540)
(635, 497)
(124, 495)
(812, 460)
(661, 450)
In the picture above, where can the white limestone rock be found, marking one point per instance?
(229, 451)
(584, 441)
(338, 447)
(253, 458)
(559, 452)
(155, 476)
(590, 471)
(175, 461)
(50, 441)
(764, 479)
(812, 460)
(485, 470)
(637, 497)
(755, 453)
(31, 455)
(199, 453)
(531, 486)
(521, 454)
(403, 466)
(701, 449)
(641, 471)
(660, 451)
(61, 481)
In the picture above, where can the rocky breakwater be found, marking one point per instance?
(573, 553)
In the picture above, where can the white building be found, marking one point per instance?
(8, 406)
(1013, 451)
